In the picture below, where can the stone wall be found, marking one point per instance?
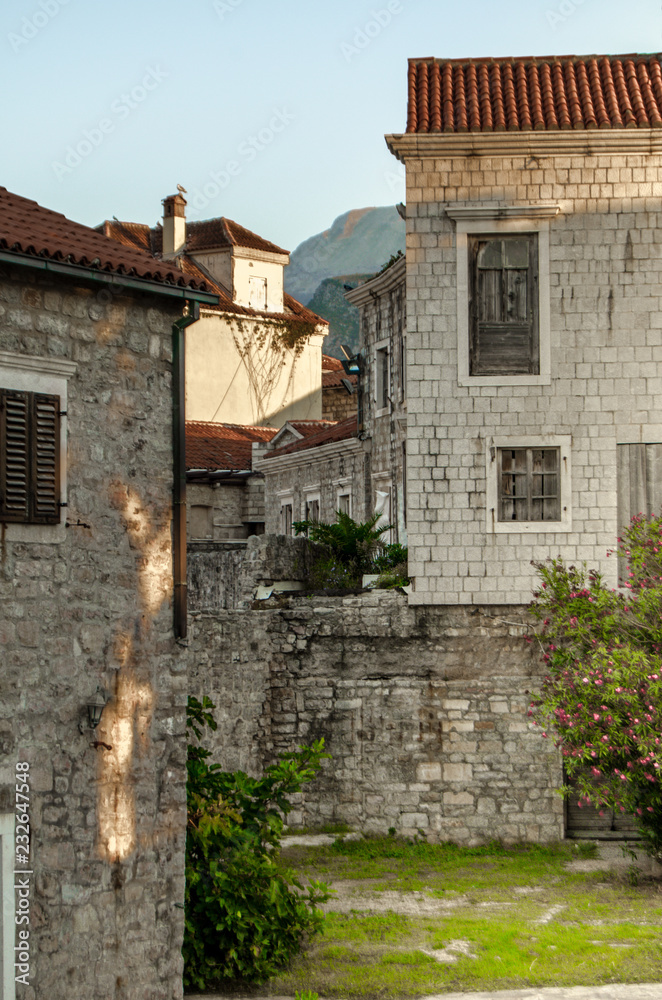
(89, 605)
(227, 577)
(423, 710)
(603, 390)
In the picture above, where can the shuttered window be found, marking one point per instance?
(503, 306)
(529, 484)
(29, 457)
(639, 478)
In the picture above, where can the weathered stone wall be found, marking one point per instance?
(228, 577)
(90, 608)
(337, 404)
(423, 710)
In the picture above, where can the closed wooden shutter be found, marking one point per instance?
(29, 457)
(503, 308)
(639, 479)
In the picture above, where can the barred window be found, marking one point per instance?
(529, 484)
(29, 457)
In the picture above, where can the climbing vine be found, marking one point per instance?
(265, 348)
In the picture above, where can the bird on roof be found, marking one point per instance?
(182, 190)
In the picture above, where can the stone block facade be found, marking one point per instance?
(87, 603)
(596, 210)
(424, 712)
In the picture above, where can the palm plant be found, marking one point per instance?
(351, 543)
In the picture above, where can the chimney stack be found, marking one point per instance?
(174, 225)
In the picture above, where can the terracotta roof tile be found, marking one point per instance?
(27, 228)
(222, 446)
(337, 431)
(207, 235)
(534, 93)
(333, 380)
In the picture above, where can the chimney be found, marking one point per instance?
(174, 224)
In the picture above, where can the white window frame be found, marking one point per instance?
(381, 345)
(493, 525)
(311, 493)
(344, 488)
(285, 500)
(491, 220)
(31, 373)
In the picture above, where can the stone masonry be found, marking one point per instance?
(92, 607)
(605, 308)
(423, 710)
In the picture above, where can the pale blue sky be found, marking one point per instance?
(286, 102)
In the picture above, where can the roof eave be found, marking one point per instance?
(183, 292)
(588, 142)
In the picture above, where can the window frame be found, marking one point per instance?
(286, 501)
(493, 221)
(493, 491)
(49, 377)
(382, 379)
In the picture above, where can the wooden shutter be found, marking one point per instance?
(639, 478)
(503, 307)
(29, 457)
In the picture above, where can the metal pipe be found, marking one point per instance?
(179, 465)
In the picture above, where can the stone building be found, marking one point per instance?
(534, 320)
(337, 402)
(383, 347)
(311, 470)
(87, 391)
(225, 497)
(255, 358)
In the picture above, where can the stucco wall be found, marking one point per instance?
(605, 265)
(107, 825)
(219, 387)
(423, 710)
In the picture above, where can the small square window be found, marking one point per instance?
(529, 484)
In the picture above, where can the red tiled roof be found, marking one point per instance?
(337, 431)
(330, 364)
(534, 93)
(26, 227)
(209, 234)
(333, 380)
(139, 235)
(309, 427)
(222, 446)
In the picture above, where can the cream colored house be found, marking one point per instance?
(255, 359)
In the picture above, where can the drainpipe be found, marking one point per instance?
(179, 462)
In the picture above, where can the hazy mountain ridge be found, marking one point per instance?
(329, 302)
(359, 242)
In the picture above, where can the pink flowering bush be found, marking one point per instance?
(601, 697)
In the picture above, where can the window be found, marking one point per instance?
(286, 518)
(383, 508)
(344, 503)
(503, 293)
(257, 293)
(29, 457)
(201, 521)
(312, 508)
(503, 305)
(529, 485)
(381, 379)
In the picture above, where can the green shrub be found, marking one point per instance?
(391, 557)
(246, 916)
(352, 546)
(602, 696)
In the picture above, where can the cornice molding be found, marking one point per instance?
(491, 211)
(582, 142)
(34, 363)
(381, 283)
(306, 456)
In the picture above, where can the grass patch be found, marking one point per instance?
(524, 919)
